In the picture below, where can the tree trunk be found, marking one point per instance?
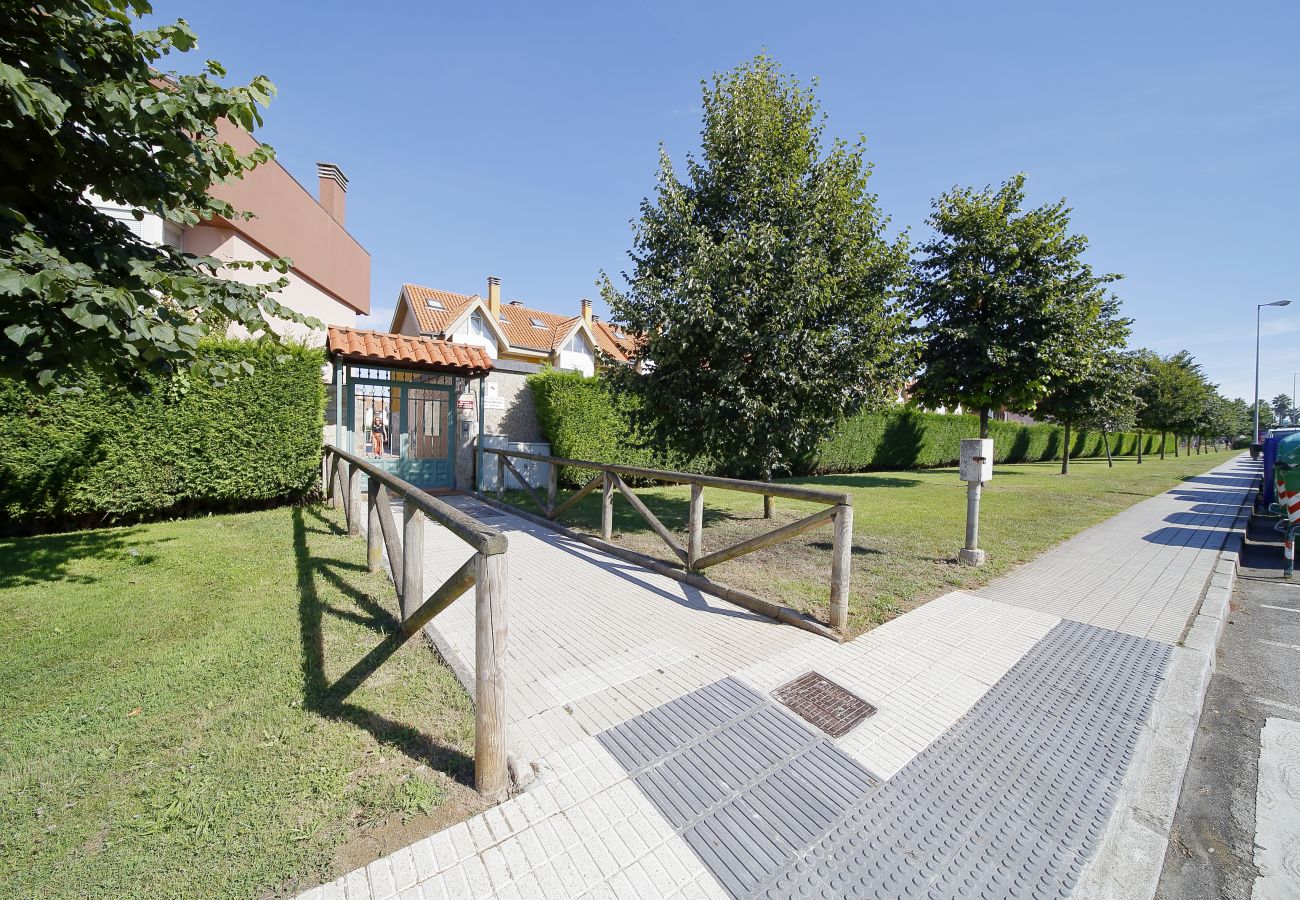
(1105, 442)
(1163, 437)
(1177, 440)
(1065, 456)
(984, 423)
(1141, 440)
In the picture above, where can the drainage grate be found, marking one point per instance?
(824, 703)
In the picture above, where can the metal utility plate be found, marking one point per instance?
(824, 704)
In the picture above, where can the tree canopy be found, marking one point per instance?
(1173, 394)
(88, 113)
(1097, 386)
(1282, 406)
(762, 283)
(1004, 299)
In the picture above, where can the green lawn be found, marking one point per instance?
(908, 527)
(164, 725)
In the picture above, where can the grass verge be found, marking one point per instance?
(165, 729)
(908, 527)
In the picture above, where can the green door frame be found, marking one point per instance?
(449, 425)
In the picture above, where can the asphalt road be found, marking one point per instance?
(1212, 845)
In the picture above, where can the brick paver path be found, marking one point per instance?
(667, 768)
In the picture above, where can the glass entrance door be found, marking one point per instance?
(406, 428)
(426, 437)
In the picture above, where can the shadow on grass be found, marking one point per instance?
(330, 700)
(45, 558)
(857, 549)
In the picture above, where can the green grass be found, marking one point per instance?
(908, 527)
(164, 725)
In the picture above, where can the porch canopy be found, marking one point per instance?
(382, 349)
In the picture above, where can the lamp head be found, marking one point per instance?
(1277, 303)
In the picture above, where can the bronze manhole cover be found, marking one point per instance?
(824, 703)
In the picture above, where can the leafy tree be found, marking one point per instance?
(1171, 396)
(1239, 420)
(762, 283)
(1266, 418)
(1114, 404)
(1096, 387)
(1281, 406)
(1004, 298)
(87, 112)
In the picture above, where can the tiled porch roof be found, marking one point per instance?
(386, 349)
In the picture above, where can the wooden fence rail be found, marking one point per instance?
(485, 571)
(609, 478)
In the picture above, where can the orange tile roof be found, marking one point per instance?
(516, 322)
(521, 332)
(435, 321)
(383, 348)
(613, 340)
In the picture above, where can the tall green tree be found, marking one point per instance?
(87, 110)
(1282, 406)
(1096, 387)
(1113, 403)
(1003, 296)
(1172, 395)
(762, 282)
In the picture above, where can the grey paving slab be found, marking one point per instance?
(1143, 570)
(1010, 801)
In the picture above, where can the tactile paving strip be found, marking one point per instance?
(1009, 802)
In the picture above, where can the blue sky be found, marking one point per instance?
(518, 139)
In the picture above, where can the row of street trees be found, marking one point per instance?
(772, 304)
(769, 299)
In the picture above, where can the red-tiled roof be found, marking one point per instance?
(431, 320)
(613, 340)
(383, 348)
(516, 321)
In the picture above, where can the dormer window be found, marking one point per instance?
(434, 304)
(478, 328)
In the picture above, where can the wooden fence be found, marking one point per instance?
(609, 478)
(485, 571)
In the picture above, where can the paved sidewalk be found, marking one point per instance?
(1005, 725)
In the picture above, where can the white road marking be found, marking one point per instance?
(1277, 812)
(1280, 644)
(1283, 608)
(1267, 702)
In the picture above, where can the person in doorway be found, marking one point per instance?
(377, 434)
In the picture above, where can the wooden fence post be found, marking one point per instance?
(841, 554)
(695, 537)
(501, 476)
(353, 500)
(607, 508)
(374, 529)
(491, 777)
(412, 558)
(336, 498)
(552, 489)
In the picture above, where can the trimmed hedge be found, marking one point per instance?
(911, 439)
(582, 419)
(106, 455)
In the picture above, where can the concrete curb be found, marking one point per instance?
(1131, 853)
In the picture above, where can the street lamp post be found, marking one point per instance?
(1258, 309)
(1295, 416)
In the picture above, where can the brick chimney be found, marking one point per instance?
(586, 312)
(494, 296)
(333, 189)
